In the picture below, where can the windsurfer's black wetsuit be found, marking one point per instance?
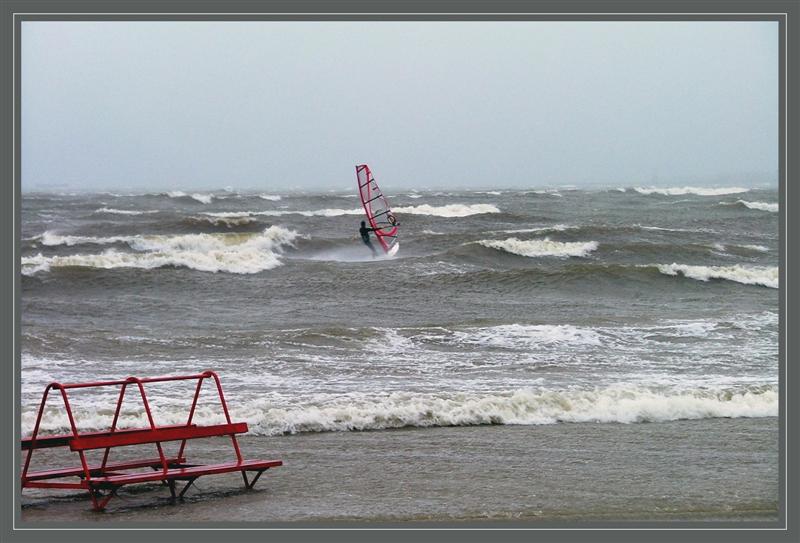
(364, 231)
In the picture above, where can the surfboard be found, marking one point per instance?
(379, 214)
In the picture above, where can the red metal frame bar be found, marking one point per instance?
(112, 476)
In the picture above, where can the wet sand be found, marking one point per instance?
(712, 469)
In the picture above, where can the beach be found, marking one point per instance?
(566, 473)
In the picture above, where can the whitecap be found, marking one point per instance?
(541, 247)
(698, 191)
(451, 210)
(748, 275)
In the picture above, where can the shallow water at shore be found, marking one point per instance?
(714, 469)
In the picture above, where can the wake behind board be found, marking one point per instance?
(379, 214)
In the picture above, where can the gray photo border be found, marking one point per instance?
(785, 12)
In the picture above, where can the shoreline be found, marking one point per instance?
(715, 470)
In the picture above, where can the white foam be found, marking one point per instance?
(232, 253)
(451, 210)
(759, 248)
(52, 239)
(123, 211)
(549, 192)
(698, 191)
(749, 275)
(226, 221)
(528, 406)
(390, 342)
(756, 248)
(528, 336)
(718, 247)
(759, 321)
(353, 253)
(761, 206)
(203, 198)
(270, 197)
(554, 228)
(272, 213)
(541, 247)
(699, 329)
(659, 228)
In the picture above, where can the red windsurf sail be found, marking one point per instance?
(378, 212)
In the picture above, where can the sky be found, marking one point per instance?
(295, 105)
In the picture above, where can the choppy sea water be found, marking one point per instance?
(524, 307)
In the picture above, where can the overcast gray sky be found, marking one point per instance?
(280, 105)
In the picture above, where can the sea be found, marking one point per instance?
(562, 311)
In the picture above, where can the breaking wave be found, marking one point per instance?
(451, 210)
(541, 247)
(271, 213)
(757, 248)
(228, 222)
(748, 275)
(527, 336)
(123, 211)
(554, 228)
(761, 206)
(232, 253)
(698, 191)
(549, 192)
(722, 248)
(591, 271)
(529, 406)
(51, 239)
(202, 198)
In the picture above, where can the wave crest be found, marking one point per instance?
(749, 275)
(451, 210)
(123, 211)
(698, 191)
(270, 213)
(326, 413)
(760, 206)
(232, 253)
(541, 247)
(202, 198)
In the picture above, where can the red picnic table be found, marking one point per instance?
(109, 477)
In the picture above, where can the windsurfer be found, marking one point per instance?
(364, 231)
